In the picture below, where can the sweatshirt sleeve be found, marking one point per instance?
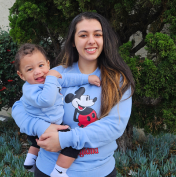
(72, 79)
(102, 131)
(26, 123)
(42, 98)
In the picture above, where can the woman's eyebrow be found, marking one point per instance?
(98, 30)
(84, 31)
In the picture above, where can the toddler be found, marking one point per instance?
(42, 98)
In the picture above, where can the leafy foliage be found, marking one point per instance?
(11, 151)
(155, 76)
(35, 20)
(152, 158)
(10, 83)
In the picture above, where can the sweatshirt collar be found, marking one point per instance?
(96, 72)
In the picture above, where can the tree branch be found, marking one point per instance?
(138, 47)
(54, 41)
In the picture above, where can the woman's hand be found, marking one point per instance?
(49, 141)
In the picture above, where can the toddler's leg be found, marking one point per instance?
(62, 164)
(32, 154)
(64, 161)
(31, 157)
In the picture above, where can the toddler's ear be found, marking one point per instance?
(20, 75)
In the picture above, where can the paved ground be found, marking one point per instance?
(5, 115)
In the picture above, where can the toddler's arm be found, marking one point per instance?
(54, 73)
(73, 79)
(93, 79)
(42, 97)
(69, 80)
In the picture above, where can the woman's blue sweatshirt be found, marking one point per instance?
(97, 140)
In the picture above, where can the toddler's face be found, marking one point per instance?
(33, 68)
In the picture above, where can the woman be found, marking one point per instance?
(90, 48)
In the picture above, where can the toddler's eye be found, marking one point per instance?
(41, 65)
(30, 69)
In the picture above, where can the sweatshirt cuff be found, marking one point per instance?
(65, 139)
(51, 79)
(42, 128)
(85, 78)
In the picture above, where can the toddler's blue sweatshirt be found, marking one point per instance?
(97, 140)
(45, 100)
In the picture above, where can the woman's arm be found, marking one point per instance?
(27, 124)
(95, 134)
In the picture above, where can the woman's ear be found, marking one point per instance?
(48, 64)
(73, 45)
(21, 75)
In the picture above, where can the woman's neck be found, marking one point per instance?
(87, 67)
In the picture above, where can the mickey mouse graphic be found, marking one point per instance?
(82, 104)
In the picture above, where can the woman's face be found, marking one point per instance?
(89, 39)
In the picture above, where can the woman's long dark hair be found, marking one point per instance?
(110, 63)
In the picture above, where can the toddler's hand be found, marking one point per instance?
(93, 79)
(54, 73)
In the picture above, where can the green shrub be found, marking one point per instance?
(155, 157)
(10, 83)
(12, 151)
(154, 101)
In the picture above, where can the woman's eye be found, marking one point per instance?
(83, 35)
(98, 35)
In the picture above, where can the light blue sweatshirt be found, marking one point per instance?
(45, 100)
(98, 139)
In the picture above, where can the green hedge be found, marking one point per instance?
(10, 83)
(154, 101)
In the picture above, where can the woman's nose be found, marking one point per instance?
(91, 39)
